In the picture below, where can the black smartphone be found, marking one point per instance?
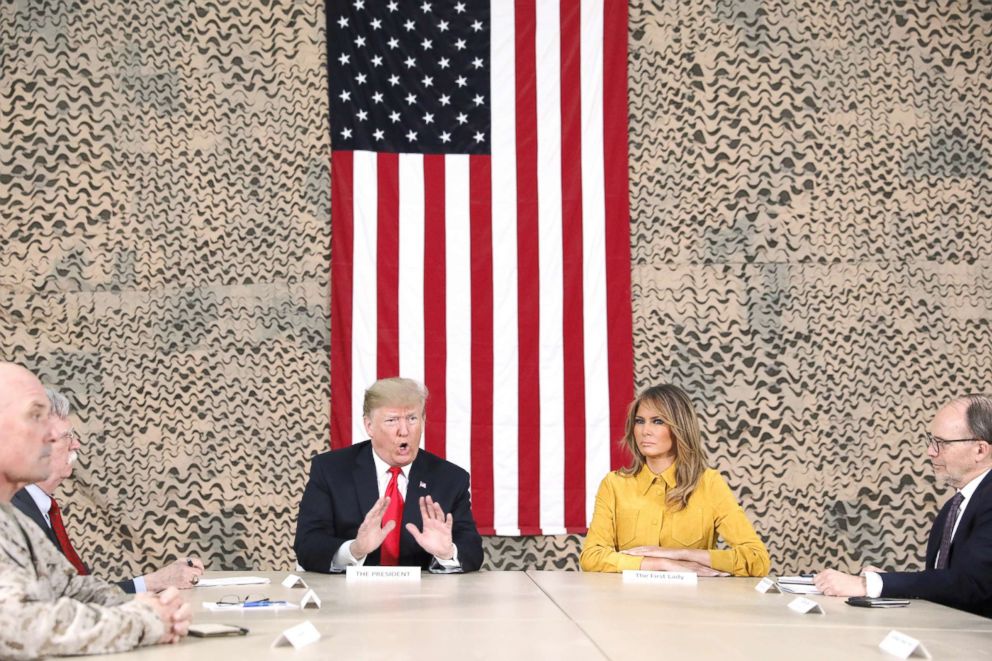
(216, 630)
(877, 602)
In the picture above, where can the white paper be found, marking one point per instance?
(660, 577)
(766, 585)
(797, 588)
(903, 646)
(804, 605)
(293, 581)
(214, 606)
(231, 580)
(383, 573)
(310, 600)
(301, 635)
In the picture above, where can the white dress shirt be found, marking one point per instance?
(44, 503)
(343, 558)
(874, 582)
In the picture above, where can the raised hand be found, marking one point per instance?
(372, 533)
(436, 536)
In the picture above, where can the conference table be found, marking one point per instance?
(562, 615)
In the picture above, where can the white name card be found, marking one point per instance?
(293, 581)
(766, 585)
(660, 577)
(383, 574)
(299, 636)
(804, 605)
(310, 600)
(903, 646)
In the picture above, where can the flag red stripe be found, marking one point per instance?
(572, 271)
(342, 258)
(528, 274)
(388, 266)
(618, 307)
(435, 324)
(481, 219)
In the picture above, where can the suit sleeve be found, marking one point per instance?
(317, 537)
(967, 584)
(464, 534)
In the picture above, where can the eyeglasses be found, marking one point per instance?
(235, 600)
(936, 443)
(70, 437)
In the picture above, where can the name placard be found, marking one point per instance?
(310, 600)
(766, 585)
(301, 635)
(660, 577)
(293, 581)
(804, 606)
(903, 646)
(379, 574)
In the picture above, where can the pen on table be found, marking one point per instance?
(262, 603)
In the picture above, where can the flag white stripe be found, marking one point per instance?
(594, 254)
(364, 315)
(411, 271)
(505, 346)
(458, 311)
(548, 45)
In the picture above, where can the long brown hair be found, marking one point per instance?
(678, 413)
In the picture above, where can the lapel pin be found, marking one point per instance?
(423, 485)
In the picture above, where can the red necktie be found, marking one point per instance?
(55, 516)
(394, 512)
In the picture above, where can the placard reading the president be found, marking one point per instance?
(660, 577)
(379, 574)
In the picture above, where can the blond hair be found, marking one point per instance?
(394, 391)
(676, 410)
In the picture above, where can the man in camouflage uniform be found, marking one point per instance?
(46, 608)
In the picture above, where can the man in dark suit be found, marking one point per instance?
(37, 502)
(384, 501)
(958, 571)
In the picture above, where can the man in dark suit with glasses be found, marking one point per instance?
(958, 570)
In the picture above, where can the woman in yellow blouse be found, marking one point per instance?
(667, 508)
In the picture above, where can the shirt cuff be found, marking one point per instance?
(722, 560)
(873, 584)
(452, 566)
(344, 559)
(625, 561)
(139, 584)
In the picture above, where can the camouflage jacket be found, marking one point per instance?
(47, 609)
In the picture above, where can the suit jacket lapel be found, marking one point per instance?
(933, 543)
(411, 507)
(30, 508)
(366, 481)
(964, 525)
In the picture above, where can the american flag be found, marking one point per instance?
(480, 239)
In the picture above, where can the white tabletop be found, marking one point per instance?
(552, 614)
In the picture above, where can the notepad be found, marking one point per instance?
(797, 585)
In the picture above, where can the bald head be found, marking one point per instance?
(26, 431)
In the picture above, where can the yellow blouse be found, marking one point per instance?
(631, 511)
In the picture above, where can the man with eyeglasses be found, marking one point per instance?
(46, 607)
(385, 501)
(958, 570)
(38, 502)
